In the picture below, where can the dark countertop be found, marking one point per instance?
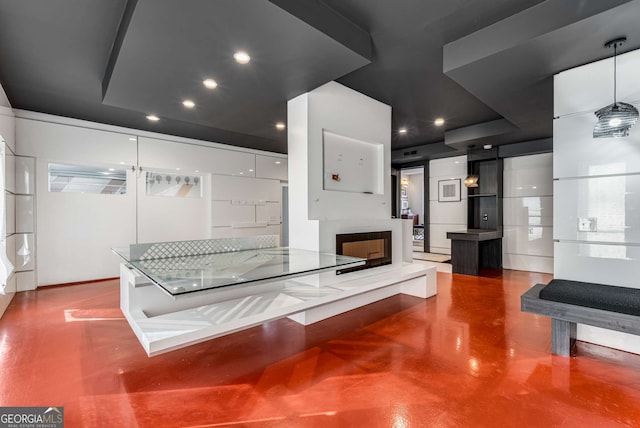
(475, 234)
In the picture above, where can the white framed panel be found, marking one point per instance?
(528, 240)
(238, 232)
(270, 213)
(448, 212)
(9, 171)
(245, 190)
(163, 218)
(532, 210)
(25, 252)
(11, 249)
(11, 286)
(590, 87)
(224, 213)
(609, 338)
(191, 158)
(25, 175)
(453, 167)
(24, 214)
(352, 165)
(611, 203)
(617, 265)
(349, 113)
(74, 144)
(438, 234)
(528, 263)
(7, 127)
(272, 167)
(577, 154)
(76, 231)
(10, 204)
(25, 281)
(528, 175)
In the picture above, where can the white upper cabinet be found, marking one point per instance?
(71, 144)
(271, 167)
(192, 158)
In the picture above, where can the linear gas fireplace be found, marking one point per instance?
(373, 246)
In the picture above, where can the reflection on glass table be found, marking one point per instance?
(187, 274)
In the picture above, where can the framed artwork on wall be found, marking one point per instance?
(449, 190)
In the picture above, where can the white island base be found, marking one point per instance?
(163, 323)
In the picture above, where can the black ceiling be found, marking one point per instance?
(486, 66)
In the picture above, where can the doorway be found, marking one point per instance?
(413, 194)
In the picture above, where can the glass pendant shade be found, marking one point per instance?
(471, 181)
(615, 120)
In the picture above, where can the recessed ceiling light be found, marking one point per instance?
(188, 104)
(439, 121)
(250, 170)
(487, 146)
(241, 57)
(278, 162)
(153, 118)
(402, 130)
(210, 83)
(241, 173)
(280, 126)
(132, 139)
(112, 169)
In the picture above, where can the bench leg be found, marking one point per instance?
(563, 337)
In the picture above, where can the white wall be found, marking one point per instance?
(76, 231)
(7, 140)
(446, 216)
(598, 179)
(527, 243)
(348, 113)
(315, 214)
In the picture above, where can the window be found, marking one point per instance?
(87, 179)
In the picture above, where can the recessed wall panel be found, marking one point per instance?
(602, 209)
(604, 264)
(577, 154)
(528, 176)
(528, 210)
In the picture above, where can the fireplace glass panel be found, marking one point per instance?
(373, 246)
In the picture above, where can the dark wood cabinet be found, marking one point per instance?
(480, 246)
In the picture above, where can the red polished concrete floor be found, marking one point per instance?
(465, 358)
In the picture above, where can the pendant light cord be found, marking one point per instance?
(615, 54)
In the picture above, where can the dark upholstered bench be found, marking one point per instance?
(568, 303)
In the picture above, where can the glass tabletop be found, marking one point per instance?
(188, 274)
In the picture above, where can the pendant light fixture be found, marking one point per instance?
(615, 119)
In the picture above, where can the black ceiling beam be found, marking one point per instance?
(117, 43)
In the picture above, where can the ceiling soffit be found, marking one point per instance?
(164, 51)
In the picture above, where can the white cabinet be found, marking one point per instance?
(271, 167)
(190, 158)
(245, 206)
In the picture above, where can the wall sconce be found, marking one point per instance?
(471, 181)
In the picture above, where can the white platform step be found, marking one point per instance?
(295, 298)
